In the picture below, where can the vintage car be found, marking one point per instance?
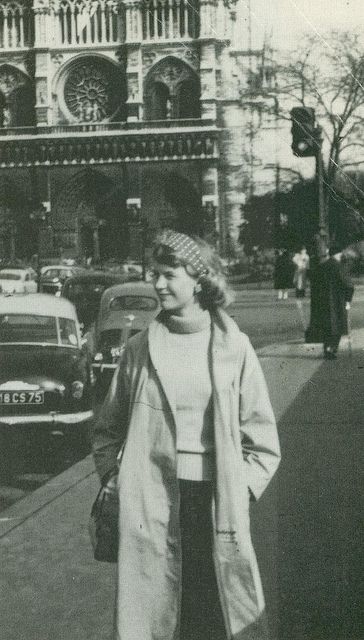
(84, 290)
(54, 276)
(45, 373)
(125, 309)
(18, 280)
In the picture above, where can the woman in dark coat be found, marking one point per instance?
(283, 273)
(336, 291)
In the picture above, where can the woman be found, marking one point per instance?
(301, 260)
(190, 404)
(283, 273)
(335, 295)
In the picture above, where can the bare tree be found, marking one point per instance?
(328, 75)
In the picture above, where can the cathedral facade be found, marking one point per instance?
(118, 117)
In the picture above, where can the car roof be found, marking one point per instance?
(97, 275)
(56, 266)
(41, 304)
(14, 270)
(135, 287)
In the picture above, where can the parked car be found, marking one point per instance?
(45, 373)
(19, 280)
(125, 309)
(55, 275)
(84, 290)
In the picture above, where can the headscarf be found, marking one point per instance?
(187, 249)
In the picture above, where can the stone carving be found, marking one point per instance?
(149, 58)
(92, 90)
(75, 151)
(10, 78)
(57, 59)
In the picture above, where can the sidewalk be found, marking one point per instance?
(305, 527)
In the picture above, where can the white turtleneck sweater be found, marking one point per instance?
(188, 353)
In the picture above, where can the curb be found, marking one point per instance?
(15, 515)
(19, 512)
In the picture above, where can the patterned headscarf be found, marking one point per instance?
(187, 249)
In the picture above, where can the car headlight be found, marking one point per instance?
(77, 389)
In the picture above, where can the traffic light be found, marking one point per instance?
(304, 132)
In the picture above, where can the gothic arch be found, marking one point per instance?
(180, 96)
(90, 202)
(18, 99)
(91, 88)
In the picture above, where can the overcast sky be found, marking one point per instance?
(289, 18)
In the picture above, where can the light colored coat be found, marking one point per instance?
(142, 402)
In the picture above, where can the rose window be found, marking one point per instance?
(93, 91)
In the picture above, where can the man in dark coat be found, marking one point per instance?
(336, 291)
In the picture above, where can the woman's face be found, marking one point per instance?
(175, 288)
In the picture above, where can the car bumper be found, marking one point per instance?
(48, 418)
(101, 367)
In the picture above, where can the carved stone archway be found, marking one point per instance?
(18, 101)
(88, 217)
(181, 94)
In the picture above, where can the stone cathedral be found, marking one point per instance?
(118, 117)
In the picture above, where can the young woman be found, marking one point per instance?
(190, 409)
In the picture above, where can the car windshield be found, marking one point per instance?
(76, 290)
(37, 329)
(57, 273)
(4, 275)
(128, 303)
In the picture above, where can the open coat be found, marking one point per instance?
(140, 411)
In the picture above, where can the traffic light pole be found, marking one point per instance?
(314, 332)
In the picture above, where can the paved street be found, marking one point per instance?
(267, 320)
(307, 528)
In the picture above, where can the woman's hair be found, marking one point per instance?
(214, 290)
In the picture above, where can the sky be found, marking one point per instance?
(290, 18)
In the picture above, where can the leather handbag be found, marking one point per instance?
(103, 523)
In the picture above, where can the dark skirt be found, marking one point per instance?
(201, 614)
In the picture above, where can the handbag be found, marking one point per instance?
(103, 523)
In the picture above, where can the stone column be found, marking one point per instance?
(41, 23)
(134, 78)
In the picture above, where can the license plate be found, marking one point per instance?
(21, 397)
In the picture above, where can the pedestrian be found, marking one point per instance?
(189, 405)
(283, 271)
(335, 294)
(301, 261)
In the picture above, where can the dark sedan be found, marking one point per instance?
(85, 289)
(45, 374)
(54, 276)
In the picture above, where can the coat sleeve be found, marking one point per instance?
(258, 431)
(111, 425)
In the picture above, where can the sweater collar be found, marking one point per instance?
(179, 324)
(224, 346)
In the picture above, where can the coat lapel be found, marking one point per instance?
(226, 350)
(157, 338)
